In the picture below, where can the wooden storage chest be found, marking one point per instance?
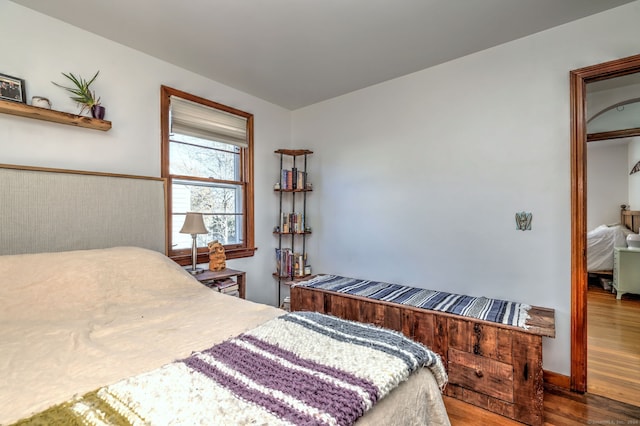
(494, 366)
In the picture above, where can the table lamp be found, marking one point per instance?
(194, 225)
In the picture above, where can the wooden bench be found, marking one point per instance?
(493, 366)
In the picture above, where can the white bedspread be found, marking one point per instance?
(72, 322)
(600, 244)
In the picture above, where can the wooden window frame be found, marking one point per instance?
(234, 251)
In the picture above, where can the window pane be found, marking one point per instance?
(202, 158)
(205, 143)
(220, 204)
(622, 117)
(225, 228)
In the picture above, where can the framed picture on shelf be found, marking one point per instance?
(12, 89)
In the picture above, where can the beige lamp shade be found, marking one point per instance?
(194, 224)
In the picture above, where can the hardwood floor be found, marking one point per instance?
(561, 408)
(613, 351)
(614, 371)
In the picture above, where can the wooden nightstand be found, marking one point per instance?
(208, 277)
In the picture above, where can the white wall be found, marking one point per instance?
(634, 179)
(607, 181)
(417, 180)
(38, 48)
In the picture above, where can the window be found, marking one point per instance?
(207, 159)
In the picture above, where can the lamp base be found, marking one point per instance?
(195, 271)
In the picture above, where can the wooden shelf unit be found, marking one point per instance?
(289, 240)
(29, 111)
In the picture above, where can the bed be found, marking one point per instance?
(600, 244)
(604, 238)
(76, 323)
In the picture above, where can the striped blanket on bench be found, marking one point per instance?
(494, 310)
(301, 368)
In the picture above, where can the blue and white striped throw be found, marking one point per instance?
(494, 310)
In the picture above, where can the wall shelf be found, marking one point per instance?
(24, 110)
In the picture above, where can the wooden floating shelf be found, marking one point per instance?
(24, 110)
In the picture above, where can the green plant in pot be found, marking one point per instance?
(83, 95)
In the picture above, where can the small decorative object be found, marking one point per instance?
(194, 225)
(635, 169)
(12, 89)
(276, 186)
(633, 241)
(40, 102)
(83, 94)
(98, 111)
(523, 221)
(217, 258)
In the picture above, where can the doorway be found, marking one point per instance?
(579, 282)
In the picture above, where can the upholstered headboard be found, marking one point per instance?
(48, 210)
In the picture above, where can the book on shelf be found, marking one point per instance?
(293, 179)
(286, 304)
(230, 290)
(290, 264)
(292, 223)
(223, 286)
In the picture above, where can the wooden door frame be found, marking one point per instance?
(578, 80)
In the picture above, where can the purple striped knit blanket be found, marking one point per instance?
(302, 368)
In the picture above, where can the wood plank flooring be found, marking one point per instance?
(613, 354)
(561, 408)
(614, 370)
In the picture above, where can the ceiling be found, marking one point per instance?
(294, 53)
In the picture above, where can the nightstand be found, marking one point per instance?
(626, 271)
(211, 278)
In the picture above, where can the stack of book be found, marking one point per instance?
(286, 304)
(293, 179)
(292, 223)
(290, 264)
(227, 286)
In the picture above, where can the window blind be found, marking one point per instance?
(200, 121)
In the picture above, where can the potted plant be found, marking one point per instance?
(83, 94)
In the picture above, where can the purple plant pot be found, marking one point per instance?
(97, 111)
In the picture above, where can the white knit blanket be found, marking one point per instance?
(299, 369)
